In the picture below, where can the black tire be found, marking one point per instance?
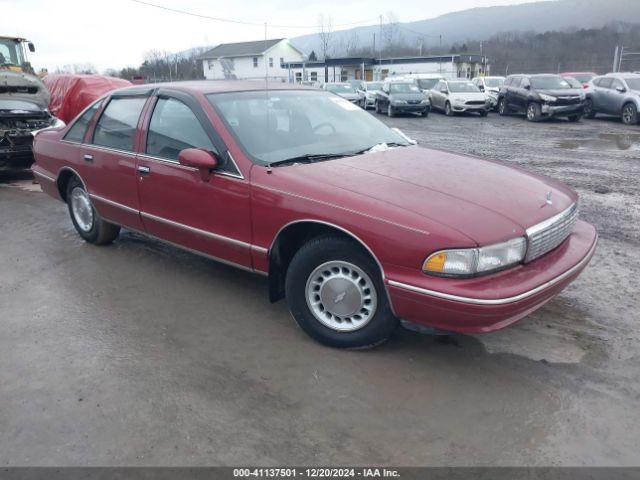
(574, 118)
(503, 110)
(589, 112)
(390, 111)
(100, 232)
(425, 113)
(534, 112)
(629, 114)
(377, 107)
(484, 113)
(448, 111)
(318, 252)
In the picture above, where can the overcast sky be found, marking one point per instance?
(117, 33)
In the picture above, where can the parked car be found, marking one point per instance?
(615, 94)
(368, 94)
(583, 77)
(541, 96)
(573, 82)
(345, 90)
(350, 222)
(459, 96)
(490, 86)
(424, 81)
(356, 84)
(401, 97)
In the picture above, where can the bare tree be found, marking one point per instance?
(351, 43)
(325, 32)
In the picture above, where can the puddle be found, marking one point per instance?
(26, 185)
(604, 141)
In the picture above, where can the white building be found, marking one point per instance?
(250, 60)
(343, 69)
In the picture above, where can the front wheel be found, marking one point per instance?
(390, 111)
(629, 114)
(589, 112)
(574, 118)
(377, 107)
(502, 107)
(534, 112)
(484, 113)
(86, 220)
(447, 110)
(335, 293)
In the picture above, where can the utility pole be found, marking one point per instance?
(615, 59)
(440, 57)
(621, 56)
(380, 65)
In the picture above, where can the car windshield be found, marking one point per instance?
(340, 88)
(551, 82)
(583, 77)
(427, 83)
(403, 88)
(573, 82)
(633, 83)
(374, 86)
(493, 82)
(459, 87)
(281, 125)
(10, 52)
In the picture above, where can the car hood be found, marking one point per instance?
(562, 92)
(349, 96)
(407, 96)
(486, 201)
(23, 86)
(466, 96)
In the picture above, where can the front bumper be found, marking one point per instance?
(550, 110)
(459, 108)
(488, 303)
(402, 108)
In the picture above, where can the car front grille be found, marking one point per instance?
(568, 100)
(547, 235)
(475, 102)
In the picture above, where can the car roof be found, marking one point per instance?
(212, 86)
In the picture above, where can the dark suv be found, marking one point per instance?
(541, 96)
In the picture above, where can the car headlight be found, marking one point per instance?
(473, 261)
(547, 98)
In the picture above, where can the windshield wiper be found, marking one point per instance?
(309, 158)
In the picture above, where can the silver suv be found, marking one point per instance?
(615, 94)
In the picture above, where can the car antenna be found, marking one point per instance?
(266, 86)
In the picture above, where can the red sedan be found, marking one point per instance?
(353, 224)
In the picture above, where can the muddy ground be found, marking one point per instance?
(141, 354)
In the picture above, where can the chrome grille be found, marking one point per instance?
(547, 235)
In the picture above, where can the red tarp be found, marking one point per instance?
(70, 94)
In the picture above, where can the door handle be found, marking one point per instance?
(144, 170)
(88, 157)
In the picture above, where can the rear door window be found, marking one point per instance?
(118, 122)
(605, 83)
(79, 128)
(173, 128)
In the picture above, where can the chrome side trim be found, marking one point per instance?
(499, 301)
(195, 252)
(198, 231)
(341, 208)
(45, 177)
(113, 204)
(260, 249)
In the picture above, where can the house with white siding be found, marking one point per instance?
(251, 60)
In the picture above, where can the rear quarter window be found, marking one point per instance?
(118, 122)
(79, 128)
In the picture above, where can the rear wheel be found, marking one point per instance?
(377, 107)
(390, 111)
(86, 220)
(629, 114)
(534, 112)
(589, 112)
(335, 293)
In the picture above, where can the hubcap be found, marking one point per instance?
(530, 112)
(341, 296)
(627, 114)
(82, 209)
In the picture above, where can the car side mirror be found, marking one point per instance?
(621, 89)
(527, 87)
(444, 90)
(203, 160)
(31, 46)
(481, 88)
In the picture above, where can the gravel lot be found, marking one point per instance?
(141, 354)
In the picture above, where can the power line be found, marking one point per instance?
(242, 22)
